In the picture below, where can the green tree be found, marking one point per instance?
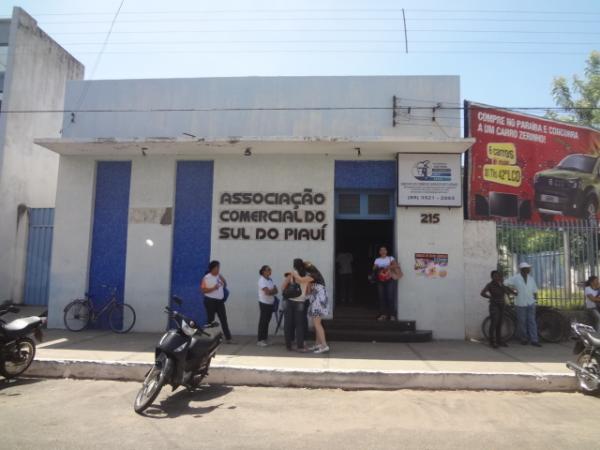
(581, 100)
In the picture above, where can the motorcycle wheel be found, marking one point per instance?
(155, 380)
(17, 358)
(588, 386)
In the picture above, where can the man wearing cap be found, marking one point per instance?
(525, 301)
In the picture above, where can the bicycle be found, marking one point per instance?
(79, 313)
(552, 325)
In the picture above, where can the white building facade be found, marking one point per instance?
(33, 74)
(157, 177)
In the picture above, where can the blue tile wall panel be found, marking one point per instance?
(191, 234)
(39, 254)
(365, 175)
(109, 236)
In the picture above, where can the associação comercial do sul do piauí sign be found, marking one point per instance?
(272, 216)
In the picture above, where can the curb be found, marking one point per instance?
(317, 378)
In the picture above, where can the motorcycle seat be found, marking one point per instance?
(20, 326)
(594, 339)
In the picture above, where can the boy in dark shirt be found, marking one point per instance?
(495, 291)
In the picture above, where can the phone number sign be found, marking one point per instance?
(429, 180)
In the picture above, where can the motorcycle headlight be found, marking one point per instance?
(187, 329)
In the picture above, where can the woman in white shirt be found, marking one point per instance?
(592, 300)
(213, 287)
(385, 285)
(266, 299)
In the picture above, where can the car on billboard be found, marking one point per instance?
(572, 188)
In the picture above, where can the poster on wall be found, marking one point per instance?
(431, 265)
(429, 180)
(527, 168)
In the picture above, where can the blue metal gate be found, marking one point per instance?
(39, 252)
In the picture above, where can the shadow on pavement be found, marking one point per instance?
(178, 404)
(15, 382)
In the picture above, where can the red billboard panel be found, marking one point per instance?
(527, 168)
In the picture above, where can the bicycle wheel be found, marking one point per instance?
(121, 318)
(550, 326)
(77, 315)
(506, 332)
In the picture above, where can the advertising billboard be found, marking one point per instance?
(528, 168)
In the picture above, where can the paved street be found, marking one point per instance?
(73, 414)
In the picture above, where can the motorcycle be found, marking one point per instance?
(587, 349)
(17, 349)
(182, 357)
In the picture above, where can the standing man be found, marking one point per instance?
(344, 262)
(525, 302)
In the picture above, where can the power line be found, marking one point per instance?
(100, 53)
(329, 10)
(339, 51)
(328, 19)
(333, 30)
(337, 41)
(301, 108)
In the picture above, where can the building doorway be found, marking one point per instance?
(364, 222)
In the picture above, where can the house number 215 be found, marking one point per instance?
(430, 218)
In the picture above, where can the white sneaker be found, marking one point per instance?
(262, 343)
(322, 350)
(314, 347)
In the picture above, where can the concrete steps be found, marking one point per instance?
(356, 329)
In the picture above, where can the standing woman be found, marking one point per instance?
(385, 284)
(266, 299)
(318, 304)
(212, 286)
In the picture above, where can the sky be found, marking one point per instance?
(506, 52)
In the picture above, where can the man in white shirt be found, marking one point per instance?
(525, 302)
(344, 262)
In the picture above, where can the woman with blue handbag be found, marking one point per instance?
(266, 302)
(214, 288)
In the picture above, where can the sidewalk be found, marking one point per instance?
(350, 365)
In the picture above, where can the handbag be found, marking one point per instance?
(292, 290)
(225, 294)
(384, 275)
